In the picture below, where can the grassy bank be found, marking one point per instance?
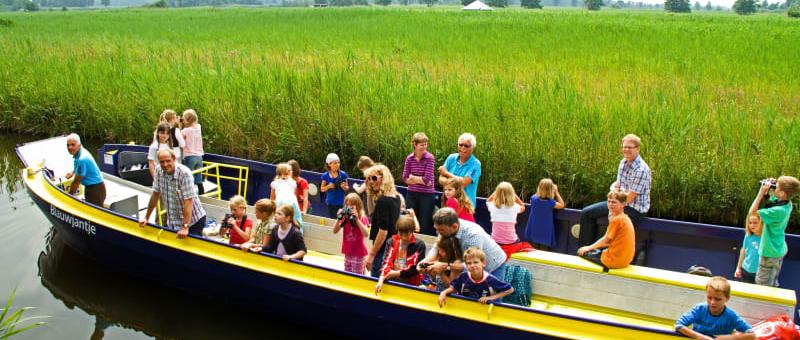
(548, 93)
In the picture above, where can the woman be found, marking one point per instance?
(419, 176)
(380, 187)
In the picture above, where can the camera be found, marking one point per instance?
(404, 212)
(773, 183)
(346, 214)
(225, 223)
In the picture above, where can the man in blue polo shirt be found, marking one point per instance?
(463, 164)
(86, 172)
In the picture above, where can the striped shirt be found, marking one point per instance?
(470, 235)
(422, 168)
(635, 177)
(174, 189)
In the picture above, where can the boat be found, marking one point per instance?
(572, 298)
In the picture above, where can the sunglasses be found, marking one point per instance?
(373, 178)
(464, 145)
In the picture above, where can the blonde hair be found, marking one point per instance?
(189, 117)
(265, 206)
(747, 222)
(460, 195)
(283, 169)
(789, 185)
(545, 189)
(405, 224)
(504, 195)
(620, 196)
(387, 184)
(719, 284)
(419, 138)
(288, 211)
(355, 200)
(364, 162)
(167, 115)
(474, 252)
(237, 201)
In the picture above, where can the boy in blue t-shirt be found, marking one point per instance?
(775, 218)
(712, 319)
(475, 282)
(334, 183)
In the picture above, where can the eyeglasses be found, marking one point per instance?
(628, 147)
(373, 178)
(462, 145)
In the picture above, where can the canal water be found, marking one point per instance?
(84, 300)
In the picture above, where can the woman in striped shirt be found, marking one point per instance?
(419, 176)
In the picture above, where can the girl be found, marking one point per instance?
(504, 205)
(175, 136)
(286, 240)
(540, 229)
(193, 149)
(457, 199)
(265, 209)
(364, 163)
(403, 252)
(161, 140)
(355, 228)
(747, 266)
(240, 226)
(282, 191)
(334, 183)
(448, 250)
(301, 192)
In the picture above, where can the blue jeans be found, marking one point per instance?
(589, 216)
(423, 204)
(194, 163)
(500, 272)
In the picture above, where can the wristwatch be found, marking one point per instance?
(186, 225)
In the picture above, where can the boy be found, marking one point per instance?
(476, 282)
(616, 248)
(775, 217)
(712, 319)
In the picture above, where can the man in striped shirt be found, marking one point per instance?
(633, 178)
(175, 184)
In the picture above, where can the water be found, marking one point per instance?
(83, 300)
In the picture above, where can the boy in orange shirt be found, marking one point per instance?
(616, 248)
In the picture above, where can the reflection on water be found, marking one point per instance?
(83, 299)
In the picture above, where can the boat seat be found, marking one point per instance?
(128, 206)
(133, 166)
(558, 259)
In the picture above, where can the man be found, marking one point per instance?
(464, 165)
(86, 172)
(469, 235)
(633, 178)
(176, 183)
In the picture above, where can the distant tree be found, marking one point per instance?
(531, 4)
(764, 4)
(105, 2)
(677, 6)
(360, 2)
(744, 7)
(31, 6)
(593, 5)
(429, 3)
(773, 6)
(383, 2)
(794, 10)
(708, 6)
(497, 3)
(697, 6)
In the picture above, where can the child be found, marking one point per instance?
(712, 319)
(504, 205)
(448, 250)
(775, 217)
(747, 266)
(160, 140)
(302, 187)
(286, 240)
(355, 225)
(364, 163)
(334, 183)
(616, 248)
(265, 209)
(475, 282)
(403, 252)
(237, 221)
(282, 191)
(540, 228)
(193, 151)
(175, 136)
(458, 200)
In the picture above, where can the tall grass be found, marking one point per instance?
(548, 93)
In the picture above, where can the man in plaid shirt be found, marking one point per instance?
(633, 178)
(175, 181)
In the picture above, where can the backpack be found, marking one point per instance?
(519, 278)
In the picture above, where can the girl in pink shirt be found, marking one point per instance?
(457, 199)
(504, 205)
(355, 224)
(193, 150)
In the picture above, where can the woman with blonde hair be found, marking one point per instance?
(380, 187)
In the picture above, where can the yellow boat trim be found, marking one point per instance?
(513, 318)
(559, 260)
(600, 312)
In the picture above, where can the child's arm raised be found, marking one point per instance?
(521, 204)
(559, 201)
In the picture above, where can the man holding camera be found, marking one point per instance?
(176, 183)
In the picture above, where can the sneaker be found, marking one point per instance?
(576, 231)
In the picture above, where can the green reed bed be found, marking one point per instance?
(548, 93)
